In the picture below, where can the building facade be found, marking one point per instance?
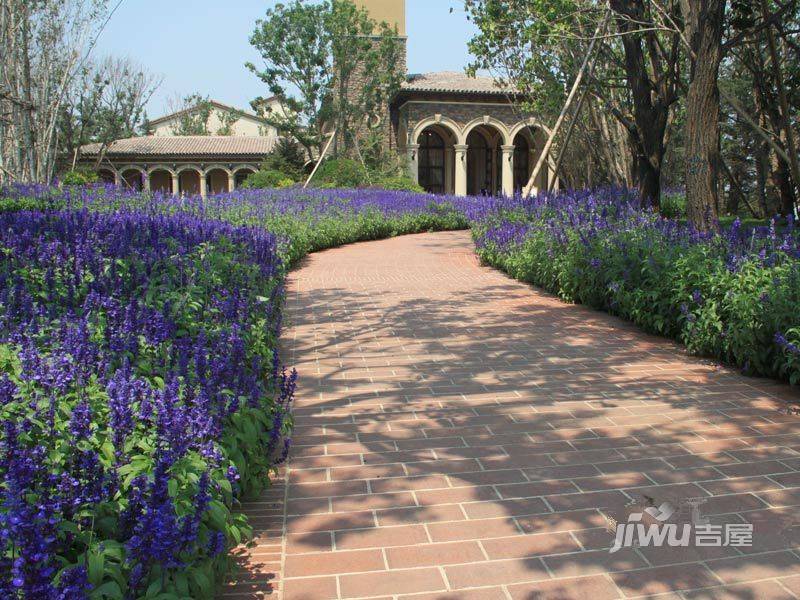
(459, 135)
(180, 165)
(174, 164)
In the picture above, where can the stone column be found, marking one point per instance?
(117, 178)
(448, 170)
(231, 182)
(461, 169)
(412, 152)
(508, 170)
(146, 182)
(203, 184)
(176, 184)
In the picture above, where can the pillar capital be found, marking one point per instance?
(461, 147)
(507, 149)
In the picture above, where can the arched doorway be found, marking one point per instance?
(106, 176)
(529, 139)
(431, 162)
(189, 182)
(161, 181)
(133, 179)
(522, 162)
(483, 160)
(240, 176)
(436, 160)
(217, 181)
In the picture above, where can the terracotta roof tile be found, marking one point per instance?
(190, 145)
(453, 81)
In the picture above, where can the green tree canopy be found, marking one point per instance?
(327, 64)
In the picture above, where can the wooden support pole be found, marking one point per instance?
(588, 59)
(321, 158)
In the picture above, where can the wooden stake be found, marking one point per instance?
(590, 56)
(321, 158)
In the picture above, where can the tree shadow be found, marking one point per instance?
(489, 417)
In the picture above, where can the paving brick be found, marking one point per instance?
(661, 580)
(443, 410)
(319, 588)
(380, 537)
(595, 587)
(496, 572)
(391, 582)
(331, 563)
(761, 566)
(423, 555)
(523, 546)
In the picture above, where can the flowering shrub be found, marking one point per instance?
(732, 295)
(139, 395)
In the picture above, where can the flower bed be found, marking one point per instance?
(733, 295)
(140, 390)
(140, 394)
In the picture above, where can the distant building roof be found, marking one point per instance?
(187, 145)
(215, 104)
(454, 81)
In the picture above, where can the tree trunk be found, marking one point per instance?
(781, 180)
(649, 182)
(651, 100)
(704, 21)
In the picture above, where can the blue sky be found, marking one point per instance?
(201, 45)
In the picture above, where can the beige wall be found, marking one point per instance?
(392, 12)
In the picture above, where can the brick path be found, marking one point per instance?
(463, 436)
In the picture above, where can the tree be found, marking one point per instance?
(326, 63)
(43, 46)
(652, 68)
(106, 102)
(193, 112)
(538, 46)
(287, 158)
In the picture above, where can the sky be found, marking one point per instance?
(202, 45)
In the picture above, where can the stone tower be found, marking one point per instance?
(393, 13)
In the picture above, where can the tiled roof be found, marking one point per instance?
(188, 145)
(453, 81)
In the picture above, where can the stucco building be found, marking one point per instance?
(177, 164)
(460, 135)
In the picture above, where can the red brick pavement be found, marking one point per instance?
(463, 436)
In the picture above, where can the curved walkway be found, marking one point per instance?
(460, 435)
